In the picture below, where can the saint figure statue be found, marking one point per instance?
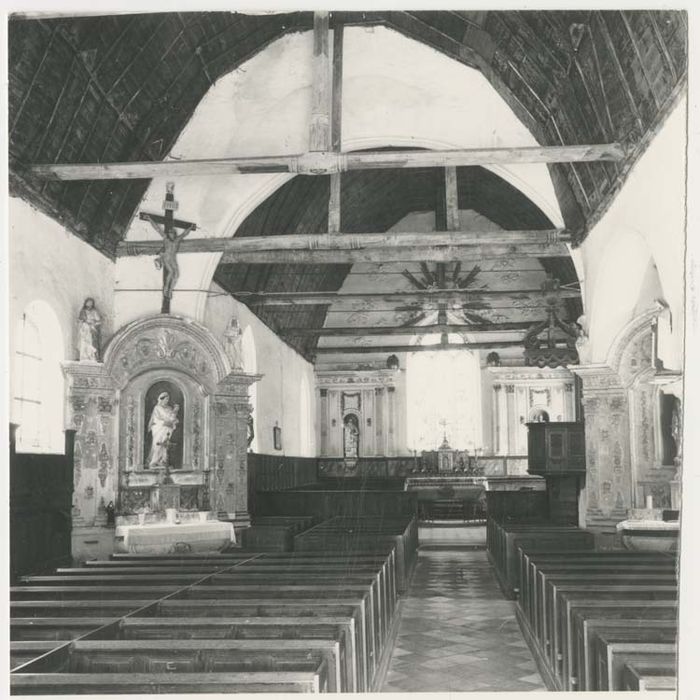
(89, 322)
(162, 425)
(232, 344)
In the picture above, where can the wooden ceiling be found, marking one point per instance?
(122, 88)
(376, 201)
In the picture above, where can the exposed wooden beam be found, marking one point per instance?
(356, 241)
(327, 163)
(369, 349)
(320, 130)
(427, 297)
(404, 254)
(409, 330)
(336, 126)
(451, 199)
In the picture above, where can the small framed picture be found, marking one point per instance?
(277, 437)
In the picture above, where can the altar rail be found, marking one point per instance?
(426, 463)
(41, 487)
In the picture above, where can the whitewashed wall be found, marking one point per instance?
(279, 393)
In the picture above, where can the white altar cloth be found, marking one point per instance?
(169, 538)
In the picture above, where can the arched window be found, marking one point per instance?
(37, 381)
(443, 399)
(250, 365)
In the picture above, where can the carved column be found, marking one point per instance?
(391, 430)
(609, 485)
(511, 419)
(379, 419)
(325, 421)
(228, 480)
(92, 411)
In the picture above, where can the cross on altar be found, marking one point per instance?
(167, 256)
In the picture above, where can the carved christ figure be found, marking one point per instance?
(162, 425)
(167, 257)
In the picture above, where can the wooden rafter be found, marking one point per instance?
(328, 163)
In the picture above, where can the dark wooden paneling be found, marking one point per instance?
(41, 493)
(276, 473)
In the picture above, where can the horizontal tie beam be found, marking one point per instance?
(327, 163)
(468, 328)
(383, 349)
(322, 246)
(427, 297)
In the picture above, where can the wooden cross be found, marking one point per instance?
(167, 256)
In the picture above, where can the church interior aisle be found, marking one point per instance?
(457, 632)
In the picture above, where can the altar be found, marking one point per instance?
(161, 441)
(177, 534)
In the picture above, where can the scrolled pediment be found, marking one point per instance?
(166, 341)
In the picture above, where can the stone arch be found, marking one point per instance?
(620, 287)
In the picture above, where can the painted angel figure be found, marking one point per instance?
(89, 323)
(162, 424)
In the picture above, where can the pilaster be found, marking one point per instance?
(92, 411)
(228, 480)
(609, 483)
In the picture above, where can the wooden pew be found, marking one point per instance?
(611, 583)
(576, 609)
(265, 608)
(505, 541)
(300, 681)
(652, 672)
(194, 656)
(530, 562)
(343, 598)
(657, 585)
(76, 608)
(87, 592)
(22, 652)
(540, 590)
(54, 628)
(614, 648)
(587, 627)
(361, 593)
(341, 629)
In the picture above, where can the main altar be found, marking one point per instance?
(161, 439)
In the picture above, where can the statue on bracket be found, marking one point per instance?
(232, 344)
(89, 323)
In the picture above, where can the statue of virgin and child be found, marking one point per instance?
(162, 424)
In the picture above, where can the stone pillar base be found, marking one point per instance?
(91, 543)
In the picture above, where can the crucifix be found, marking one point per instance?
(167, 256)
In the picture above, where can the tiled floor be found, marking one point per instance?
(457, 632)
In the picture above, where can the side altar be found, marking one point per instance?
(161, 435)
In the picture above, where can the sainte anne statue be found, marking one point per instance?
(162, 424)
